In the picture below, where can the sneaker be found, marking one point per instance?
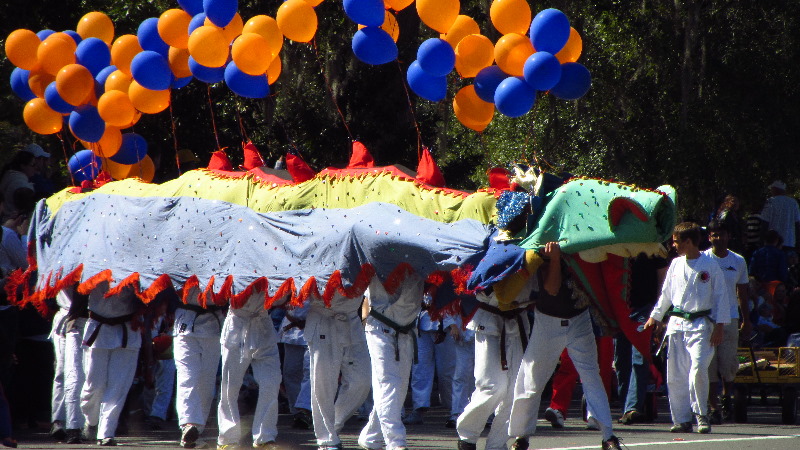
(685, 427)
(520, 444)
(107, 442)
(89, 432)
(271, 445)
(555, 417)
(227, 447)
(451, 423)
(727, 408)
(330, 447)
(415, 418)
(631, 417)
(189, 435)
(302, 420)
(611, 443)
(154, 423)
(715, 417)
(592, 424)
(464, 445)
(703, 426)
(57, 431)
(73, 436)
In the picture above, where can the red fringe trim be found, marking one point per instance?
(191, 283)
(396, 278)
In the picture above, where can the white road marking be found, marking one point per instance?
(698, 441)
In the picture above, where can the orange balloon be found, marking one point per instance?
(397, 5)
(462, 27)
(510, 16)
(179, 62)
(314, 2)
(274, 70)
(297, 20)
(108, 145)
(56, 52)
(251, 54)
(74, 83)
(209, 46)
(133, 122)
(21, 48)
(122, 52)
(267, 27)
(572, 49)
(96, 24)
(232, 30)
(389, 25)
(40, 118)
(144, 169)
(147, 101)
(118, 81)
(473, 53)
(116, 170)
(438, 14)
(511, 52)
(471, 111)
(173, 27)
(38, 80)
(116, 108)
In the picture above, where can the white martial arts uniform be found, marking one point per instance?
(73, 361)
(432, 358)
(296, 363)
(57, 335)
(196, 347)
(392, 355)
(337, 345)
(494, 384)
(110, 359)
(249, 339)
(464, 370)
(693, 285)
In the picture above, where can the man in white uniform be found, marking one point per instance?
(695, 289)
(296, 365)
(73, 362)
(57, 332)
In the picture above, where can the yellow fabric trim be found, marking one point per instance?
(507, 290)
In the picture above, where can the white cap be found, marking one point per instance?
(777, 184)
(36, 151)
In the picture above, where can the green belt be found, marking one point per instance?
(404, 329)
(677, 312)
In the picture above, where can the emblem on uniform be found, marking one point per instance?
(704, 276)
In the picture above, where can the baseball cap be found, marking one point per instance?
(36, 151)
(777, 184)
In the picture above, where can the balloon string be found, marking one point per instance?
(242, 131)
(411, 109)
(66, 160)
(175, 140)
(213, 120)
(328, 86)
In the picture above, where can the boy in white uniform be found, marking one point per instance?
(57, 332)
(73, 363)
(695, 289)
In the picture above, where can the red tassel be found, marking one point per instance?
(95, 280)
(396, 278)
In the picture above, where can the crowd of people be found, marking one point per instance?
(178, 357)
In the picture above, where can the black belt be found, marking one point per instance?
(404, 329)
(108, 321)
(690, 316)
(507, 315)
(199, 310)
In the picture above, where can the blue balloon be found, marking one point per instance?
(369, 13)
(514, 97)
(374, 46)
(132, 150)
(54, 100)
(178, 83)
(44, 34)
(193, 7)
(575, 82)
(542, 71)
(220, 12)
(149, 39)
(103, 74)
(250, 86)
(436, 56)
(486, 82)
(197, 21)
(549, 31)
(86, 124)
(426, 85)
(74, 35)
(93, 54)
(151, 70)
(206, 74)
(19, 84)
(84, 166)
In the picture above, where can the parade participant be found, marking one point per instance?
(160, 396)
(724, 364)
(296, 366)
(695, 289)
(337, 345)
(197, 353)
(249, 339)
(464, 372)
(111, 348)
(73, 362)
(561, 321)
(391, 338)
(57, 332)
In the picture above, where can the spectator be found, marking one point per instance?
(43, 187)
(15, 183)
(781, 214)
(728, 215)
(769, 263)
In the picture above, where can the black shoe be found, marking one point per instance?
(451, 423)
(154, 423)
(520, 444)
(464, 445)
(107, 442)
(302, 420)
(685, 427)
(57, 431)
(189, 435)
(611, 443)
(74, 436)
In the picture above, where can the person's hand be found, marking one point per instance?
(455, 332)
(717, 335)
(651, 323)
(552, 250)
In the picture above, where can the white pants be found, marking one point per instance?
(266, 364)
(494, 391)
(73, 377)
(439, 358)
(389, 388)
(328, 359)
(463, 376)
(164, 386)
(196, 364)
(296, 368)
(688, 358)
(109, 375)
(57, 408)
(549, 337)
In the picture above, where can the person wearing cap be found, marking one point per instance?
(781, 214)
(42, 185)
(15, 182)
